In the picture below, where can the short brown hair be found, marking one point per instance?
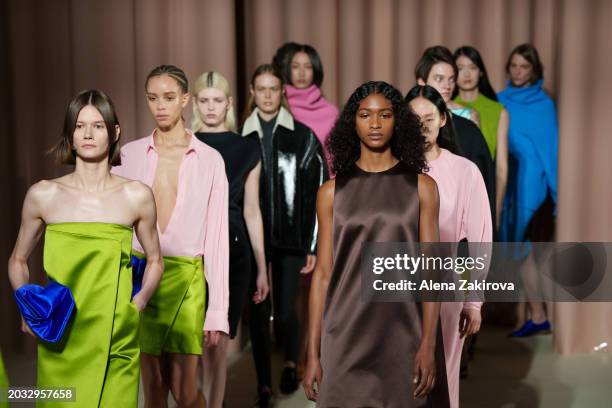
(63, 150)
(530, 53)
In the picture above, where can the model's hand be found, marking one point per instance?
(311, 260)
(211, 337)
(469, 322)
(139, 302)
(424, 372)
(312, 376)
(26, 329)
(262, 288)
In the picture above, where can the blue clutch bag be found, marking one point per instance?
(46, 309)
(138, 269)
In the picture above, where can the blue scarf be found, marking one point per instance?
(532, 133)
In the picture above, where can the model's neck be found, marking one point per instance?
(433, 153)
(372, 161)
(469, 96)
(450, 104)
(213, 129)
(91, 176)
(267, 116)
(175, 136)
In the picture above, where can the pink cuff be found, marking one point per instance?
(216, 321)
(472, 305)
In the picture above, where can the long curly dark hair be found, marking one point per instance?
(407, 142)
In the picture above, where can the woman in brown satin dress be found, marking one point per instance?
(373, 354)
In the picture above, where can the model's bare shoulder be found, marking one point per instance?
(325, 195)
(44, 190)
(326, 191)
(40, 196)
(428, 189)
(136, 191)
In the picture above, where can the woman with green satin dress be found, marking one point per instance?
(87, 217)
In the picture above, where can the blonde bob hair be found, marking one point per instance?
(212, 79)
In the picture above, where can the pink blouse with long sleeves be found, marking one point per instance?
(198, 225)
(464, 203)
(464, 213)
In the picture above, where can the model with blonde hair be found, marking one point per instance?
(214, 123)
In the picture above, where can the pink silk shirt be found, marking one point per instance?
(464, 203)
(464, 213)
(198, 225)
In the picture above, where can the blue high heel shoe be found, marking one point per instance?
(530, 328)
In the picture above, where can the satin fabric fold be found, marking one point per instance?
(173, 321)
(99, 355)
(46, 309)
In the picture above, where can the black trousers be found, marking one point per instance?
(286, 278)
(259, 327)
(286, 267)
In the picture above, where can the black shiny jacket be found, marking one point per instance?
(288, 188)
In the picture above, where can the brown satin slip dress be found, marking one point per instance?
(368, 348)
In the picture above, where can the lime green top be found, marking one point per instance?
(489, 112)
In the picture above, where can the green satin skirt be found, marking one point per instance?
(98, 354)
(173, 321)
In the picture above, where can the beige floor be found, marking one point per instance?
(505, 374)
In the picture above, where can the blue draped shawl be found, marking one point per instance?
(533, 147)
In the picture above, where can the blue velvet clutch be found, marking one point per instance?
(138, 269)
(46, 309)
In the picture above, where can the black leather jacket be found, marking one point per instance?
(289, 184)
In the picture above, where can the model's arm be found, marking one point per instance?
(216, 255)
(425, 368)
(29, 233)
(254, 224)
(478, 229)
(318, 289)
(501, 164)
(146, 231)
(314, 175)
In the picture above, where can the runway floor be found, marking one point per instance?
(506, 373)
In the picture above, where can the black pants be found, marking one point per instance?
(259, 326)
(286, 267)
(286, 278)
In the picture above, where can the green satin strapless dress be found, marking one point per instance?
(173, 321)
(98, 354)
